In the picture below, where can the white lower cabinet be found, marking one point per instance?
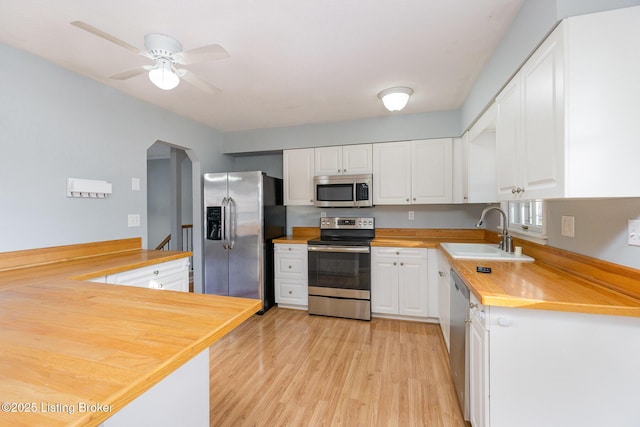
(532, 368)
(478, 366)
(444, 296)
(170, 275)
(399, 282)
(291, 280)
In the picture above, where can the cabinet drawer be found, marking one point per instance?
(175, 282)
(292, 249)
(402, 252)
(291, 291)
(141, 276)
(291, 266)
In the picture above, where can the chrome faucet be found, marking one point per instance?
(506, 244)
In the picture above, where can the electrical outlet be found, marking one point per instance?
(323, 214)
(568, 226)
(634, 232)
(133, 220)
(411, 216)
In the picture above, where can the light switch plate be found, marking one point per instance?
(634, 232)
(133, 220)
(135, 184)
(412, 215)
(568, 226)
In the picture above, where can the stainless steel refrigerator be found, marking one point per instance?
(244, 212)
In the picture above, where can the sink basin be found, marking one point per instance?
(481, 251)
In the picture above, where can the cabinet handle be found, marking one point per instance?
(407, 200)
(414, 199)
(394, 263)
(289, 248)
(440, 273)
(397, 253)
(160, 286)
(402, 263)
(467, 321)
(156, 272)
(338, 170)
(513, 190)
(503, 321)
(473, 305)
(289, 267)
(290, 292)
(344, 170)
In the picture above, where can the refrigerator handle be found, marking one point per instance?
(225, 206)
(232, 222)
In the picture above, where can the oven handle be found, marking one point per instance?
(341, 249)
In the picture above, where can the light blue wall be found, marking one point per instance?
(56, 124)
(381, 129)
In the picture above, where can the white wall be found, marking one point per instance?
(56, 124)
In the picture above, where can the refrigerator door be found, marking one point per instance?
(246, 235)
(216, 257)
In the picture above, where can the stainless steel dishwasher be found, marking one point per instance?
(459, 340)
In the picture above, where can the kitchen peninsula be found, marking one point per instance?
(80, 353)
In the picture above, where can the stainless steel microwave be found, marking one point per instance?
(342, 191)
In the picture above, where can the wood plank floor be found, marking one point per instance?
(288, 368)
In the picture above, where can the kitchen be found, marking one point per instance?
(43, 156)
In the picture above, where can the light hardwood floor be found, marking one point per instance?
(287, 368)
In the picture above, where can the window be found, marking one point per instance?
(527, 219)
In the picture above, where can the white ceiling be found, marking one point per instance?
(291, 62)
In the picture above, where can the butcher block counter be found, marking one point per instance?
(558, 280)
(76, 353)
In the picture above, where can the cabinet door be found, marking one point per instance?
(392, 173)
(328, 160)
(413, 287)
(357, 159)
(543, 120)
(384, 285)
(292, 291)
(431, 171)
(507, 139)
(478, 374)
(444, 296)
(298, 171)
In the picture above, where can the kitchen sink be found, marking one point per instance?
(481, 251)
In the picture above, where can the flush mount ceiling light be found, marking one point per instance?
(395, 98)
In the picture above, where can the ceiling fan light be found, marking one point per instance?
(395, 98)
(163, 75)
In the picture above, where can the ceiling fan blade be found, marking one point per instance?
(128, 74)
(196, 81)
(106, 36)
(211, 52)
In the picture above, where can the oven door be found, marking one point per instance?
(340, 271)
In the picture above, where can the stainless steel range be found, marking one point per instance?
(340, 268)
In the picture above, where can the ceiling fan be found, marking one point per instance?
(166, 52)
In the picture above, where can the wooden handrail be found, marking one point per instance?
(164, 243)
(187, 225)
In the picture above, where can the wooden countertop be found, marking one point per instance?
(69, 342)
(558, 280)
(540, 286)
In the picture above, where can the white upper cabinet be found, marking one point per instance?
(344, 160)
(392, 173)
(568, 121)
(413, 172)
(298, 171)
(474, 161)
(529, 128)
(431, 171)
